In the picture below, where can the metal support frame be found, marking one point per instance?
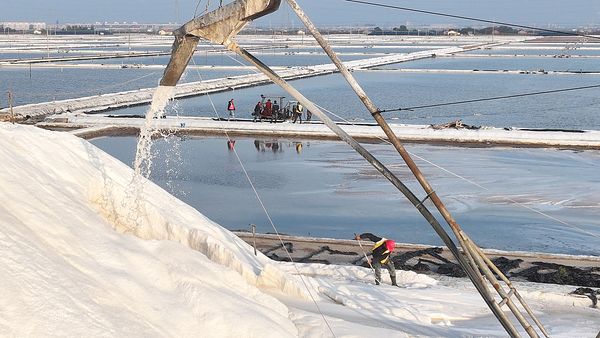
(469, 267)
(426, 197)
(474, 254)
(222, 24)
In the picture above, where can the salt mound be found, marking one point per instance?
(166, 271)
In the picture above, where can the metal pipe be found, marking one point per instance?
(222, 24)
(400, 148)
(516, 293)
(471, 272)
(182, 51)
(254, 237)
(217, 26)
(490, 276)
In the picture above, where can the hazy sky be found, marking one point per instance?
(322, 12)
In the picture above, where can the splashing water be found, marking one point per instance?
(134, 193)
(143, 155)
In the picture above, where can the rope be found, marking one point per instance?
(95, 90)
(473, 182)
(470, 181)
(366, 258)
(196, 9)
(472, 19)
(205, 8)
(492, 98)
(479, 185)
(257, 195)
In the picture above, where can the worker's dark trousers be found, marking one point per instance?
(389, 265)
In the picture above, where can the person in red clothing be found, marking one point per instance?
(230, 144)
(268, 108)
(231, 109)
(381, 255)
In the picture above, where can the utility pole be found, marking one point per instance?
(48, 42)
(10, 105)
(254, 237)
(177, 11)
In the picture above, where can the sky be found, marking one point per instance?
(323, 12)
(126, 259)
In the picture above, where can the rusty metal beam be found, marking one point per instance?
(217, 26)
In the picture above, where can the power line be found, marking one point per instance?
(508, 198)
(492, 98)
(267, 214)
(471, 18)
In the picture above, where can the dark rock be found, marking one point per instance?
(451, 269)
(560, 274)
(421, 267)
(591, 293)
(506, 265)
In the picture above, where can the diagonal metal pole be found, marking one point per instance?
(473, 256)
(469, 267)
(222, 24)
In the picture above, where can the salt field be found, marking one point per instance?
(384, 171)
(73, 265)
(326, 190)
(389, 89)
(313, 183)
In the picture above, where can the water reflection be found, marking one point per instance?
(340, 194)
(277, 146)
(230, 144)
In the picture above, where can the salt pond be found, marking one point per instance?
(325, 189)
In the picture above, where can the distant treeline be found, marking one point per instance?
(498, 30)
(89, 29)
(404, 30)
(69, 30)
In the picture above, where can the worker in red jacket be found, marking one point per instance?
(381, 255)
(231, 109)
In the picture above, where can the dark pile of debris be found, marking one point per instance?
(458, 124)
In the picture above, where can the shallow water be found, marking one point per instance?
(326, 189)
(389, 90)
(48, 84)
(508, 63)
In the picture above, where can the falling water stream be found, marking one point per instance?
(134, 200)
(143, 157)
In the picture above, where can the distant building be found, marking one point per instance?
(23, 26)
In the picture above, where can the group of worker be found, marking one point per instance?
(266, 109)
(270, 110)
(383, 247)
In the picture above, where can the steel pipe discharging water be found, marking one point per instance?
(218, 26)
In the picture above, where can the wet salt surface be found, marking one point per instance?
(324, 189)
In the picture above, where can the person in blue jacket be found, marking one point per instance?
(381, 251)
